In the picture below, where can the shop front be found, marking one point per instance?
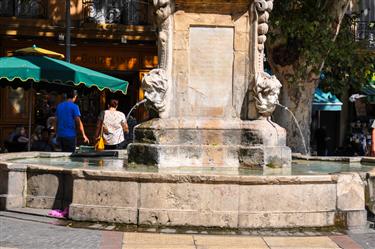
(325, 124)
(124, 61)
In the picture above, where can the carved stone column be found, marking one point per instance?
(208, 53)
(157, 83)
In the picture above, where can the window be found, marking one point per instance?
(128, 12)
(367, 9)
(24, 8)
(365, 32)
(365, 26)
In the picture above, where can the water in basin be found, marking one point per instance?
(299, 167)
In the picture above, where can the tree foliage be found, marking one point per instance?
(307, 39)
(349, 64)
(303, 34)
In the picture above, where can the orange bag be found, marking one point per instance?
(100, 144)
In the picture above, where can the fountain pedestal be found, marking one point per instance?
(210, 142)
(210, 92)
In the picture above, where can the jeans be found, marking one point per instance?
(67, 144)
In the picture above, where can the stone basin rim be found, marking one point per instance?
(178, 177)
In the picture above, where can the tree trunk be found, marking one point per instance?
(285, 60)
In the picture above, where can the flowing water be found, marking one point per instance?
(299, 128)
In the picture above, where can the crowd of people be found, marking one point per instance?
(360, 137)
(60, 131)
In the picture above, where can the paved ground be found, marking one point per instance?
(32, 232)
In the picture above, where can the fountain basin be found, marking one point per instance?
(225, 198)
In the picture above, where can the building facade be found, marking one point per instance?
(113, 37)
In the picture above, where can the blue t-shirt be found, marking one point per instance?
(66, 113)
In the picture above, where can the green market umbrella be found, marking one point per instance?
(48, 73)
(43, 70)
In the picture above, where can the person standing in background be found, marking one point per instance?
(68, 119)
(321, 141)
(112, 124)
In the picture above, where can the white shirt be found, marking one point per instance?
(113, 132)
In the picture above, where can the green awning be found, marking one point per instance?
(43, 69)
(326, 101)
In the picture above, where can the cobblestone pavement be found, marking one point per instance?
(29, 235)
(28, 232)
(365, 238)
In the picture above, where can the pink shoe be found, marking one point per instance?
(56, 213)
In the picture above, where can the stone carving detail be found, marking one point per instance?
(155, 85)
(129, 12)
(266, 89)
(263, 8)
(266, 93)
(163, 10)
(98, 11)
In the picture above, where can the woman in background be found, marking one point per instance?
(112, 124)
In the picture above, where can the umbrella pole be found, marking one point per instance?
(67, 30)
(30, 112)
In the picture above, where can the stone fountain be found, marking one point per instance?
(214, 103)
(212, 97)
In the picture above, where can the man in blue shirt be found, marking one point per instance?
(67, 120)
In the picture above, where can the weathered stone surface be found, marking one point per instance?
(277, 156)
(170, 217)
(48, 190)
(210, 69)
(11, 201)
(181, 40)
(350, 192)
(103, 213)
(240, 81)
(253, 157)
(211, 142)
(6, 156)
(301, 198)
(16, 183)
(150, 154)
(244, 132)
(39, 184)
(13, 178)
(356, 219)
(187, 196)
(285, 219)
(113, 201)
(43, 202)
(105, 193)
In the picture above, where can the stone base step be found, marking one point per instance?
(209, 155)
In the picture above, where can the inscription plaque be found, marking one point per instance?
(210, 69)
